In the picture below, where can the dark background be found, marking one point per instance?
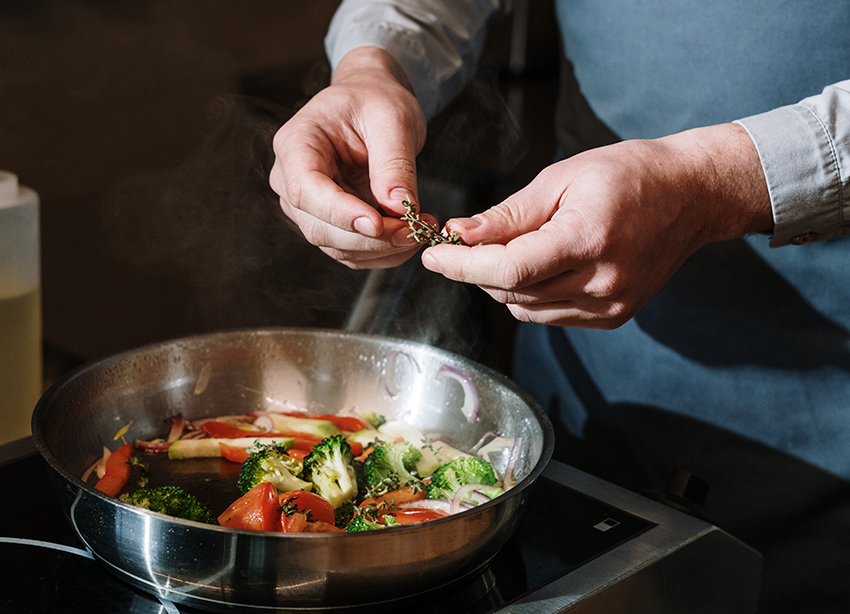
(145, 127)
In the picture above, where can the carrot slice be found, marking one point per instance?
(117, 471)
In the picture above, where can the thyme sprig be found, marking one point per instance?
(422, 230)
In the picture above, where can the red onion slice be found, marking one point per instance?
(390, 383)
(178, 424)
(157, 445)
(509, 479)
(438, 505)
(470, 394)
(467, 489)
(264, 421)
(100, 466)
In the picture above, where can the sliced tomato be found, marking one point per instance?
(294, 523)
(411, 515)
(396, 497)
(322, 527)
(234, 453)
(117, 471)
(320, 509)
(258, 509)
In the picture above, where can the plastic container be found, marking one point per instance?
(20, 308)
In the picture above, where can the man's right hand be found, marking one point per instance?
(350, 154)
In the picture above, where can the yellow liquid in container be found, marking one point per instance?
(20, 363)
(20, 308)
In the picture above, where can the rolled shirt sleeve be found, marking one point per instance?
(805, 153)
(436, 43)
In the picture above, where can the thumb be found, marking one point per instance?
(520, 213)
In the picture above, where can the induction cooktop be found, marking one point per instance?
(581, 542)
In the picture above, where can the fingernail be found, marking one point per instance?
(467, 223)
(399, 194)
(364, 226)
(430, 263)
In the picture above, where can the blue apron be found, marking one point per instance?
(738, 371)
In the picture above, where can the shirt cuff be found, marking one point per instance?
(805, 155)
(437, 44)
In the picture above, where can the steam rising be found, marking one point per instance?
(216, 225)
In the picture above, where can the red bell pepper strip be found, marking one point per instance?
(117, 471)
(412, 515)
(233, 453)
(349, 424)
(396, 497)
(303, 441)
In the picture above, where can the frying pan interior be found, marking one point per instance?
(278, 369)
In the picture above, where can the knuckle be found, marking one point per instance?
(511, 275)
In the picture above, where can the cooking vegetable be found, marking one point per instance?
(348, 424)
(293, 425)
(389, 467)
(117, 471)
(330, 467)
(211, 447)
(413, 515)
(449, 478)
(271, 463)
(374, 420)
(258, 510)
(362, 523)
(406, 494)
(171, 500)
(321, 484)
(314, 507)
(434, 453)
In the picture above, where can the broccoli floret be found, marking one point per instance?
(344, 513)
(330, 467)
(368, 519)
(362, 523)
(376, 421)
(446, 480)
(171, 500)
(389, 466)
(270, 463)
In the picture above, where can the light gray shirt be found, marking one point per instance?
(804, 147)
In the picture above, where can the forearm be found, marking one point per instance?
(720, 172)
(370, 62)
(436, 43)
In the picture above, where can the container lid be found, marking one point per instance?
(9, 193)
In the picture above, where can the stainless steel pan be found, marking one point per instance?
(224, 569)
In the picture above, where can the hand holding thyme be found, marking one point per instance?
(423, 231)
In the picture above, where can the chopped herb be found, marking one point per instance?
(424, 232)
